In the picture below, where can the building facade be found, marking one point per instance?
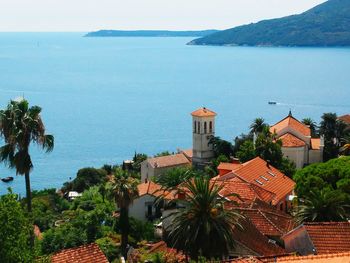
(297, 143)
(203, 122)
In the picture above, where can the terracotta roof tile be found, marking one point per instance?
(258, 172)
(252, 238)
(154, 189)
(329, 237)
(247, 192)
(229, 166)
(315, 143)
(168, 161)
(324, 258)
(289, 140)
(293, 123)
(188, 153)
(84, 254)
(345, 118)
(203, 112)
(269, 222)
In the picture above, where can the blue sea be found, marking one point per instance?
(106, 98)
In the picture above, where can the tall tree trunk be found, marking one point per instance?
(124, 227)
(28, 193)
(29, 206)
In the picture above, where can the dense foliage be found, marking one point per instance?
(324, 25)
(202, 220)
(86, 177)
(333, 175)
(15, 230)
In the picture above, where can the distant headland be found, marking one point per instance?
(150, 33)
(326, 25)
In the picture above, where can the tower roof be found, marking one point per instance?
(203, 112)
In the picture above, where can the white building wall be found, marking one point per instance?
(315, 156)
(295, 154)
(139, 207)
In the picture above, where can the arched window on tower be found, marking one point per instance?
(199, 127)
(205, 127)
(194, 127)
(211, 127)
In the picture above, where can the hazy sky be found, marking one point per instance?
(88, 15)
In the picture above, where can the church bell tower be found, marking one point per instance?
(203, 121)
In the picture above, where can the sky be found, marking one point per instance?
(90, 15)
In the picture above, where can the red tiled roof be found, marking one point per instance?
(244, 260)
(229, 166)
(188, 153)
(258, 172)
(168, 161)
(247, 192)
(315, 143)
(345, 118)
(161, 246)
(252, 238)
(329, 237)
(289, 140)
(269, 222)
(324, 258)
(293, 123)
(154, 189)
(84, 254)
(203, 112)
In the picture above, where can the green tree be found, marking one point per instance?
(175, 176)
(333, 130)
(258, 126)
(15, 231)
(333, 175)
(313, 126)
(221, 147)
(86, 177)
(124, 190)
(19, 126)
(203, 220)
(323, 206)
(246, 151)
(138, 159)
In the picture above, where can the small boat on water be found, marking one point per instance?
(7, 179)
(272, 102)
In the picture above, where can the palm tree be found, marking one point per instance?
(19, 126)
(323, 206)
(204, 227)
(312, 125)
(257, 126)
(124, 190)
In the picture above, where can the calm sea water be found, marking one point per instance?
(105, 98)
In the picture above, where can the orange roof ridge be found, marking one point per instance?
(203, 112)
(291, 121)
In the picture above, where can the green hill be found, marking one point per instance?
(327, 24)
(149, 33)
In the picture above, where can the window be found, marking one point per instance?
(205, 127)
(271, 173)
(211, 127)
(263, 177)
(199, 127)
(258, 182)
(194, 127)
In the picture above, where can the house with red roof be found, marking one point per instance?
(90, 253)
(155, 167)
(144, 206)
(270, 184)
(319, 238)
(292, 258)
(297, 144)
